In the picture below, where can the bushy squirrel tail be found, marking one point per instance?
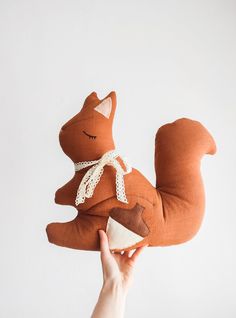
(179, 148)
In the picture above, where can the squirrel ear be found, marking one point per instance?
(105, 107)
(107, 104)
(92, 98)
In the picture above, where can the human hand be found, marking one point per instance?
(117, 276)
(117, 267)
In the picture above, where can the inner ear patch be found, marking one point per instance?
(105, 107)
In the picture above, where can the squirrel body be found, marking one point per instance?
(170, 213)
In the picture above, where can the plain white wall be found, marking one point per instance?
(165, 59)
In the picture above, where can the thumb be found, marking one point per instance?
(104, 245)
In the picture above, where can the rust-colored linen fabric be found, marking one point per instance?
(170, 213)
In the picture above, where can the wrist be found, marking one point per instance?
(114, 286)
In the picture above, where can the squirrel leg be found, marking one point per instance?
(80, 233)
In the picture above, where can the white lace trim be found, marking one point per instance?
(93, 175)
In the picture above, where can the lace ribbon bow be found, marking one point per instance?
(93, 175)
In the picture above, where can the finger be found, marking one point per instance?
(126, 253)
(129, 253)
(104, 246)
(137, 252)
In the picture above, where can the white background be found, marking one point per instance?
(165, 59)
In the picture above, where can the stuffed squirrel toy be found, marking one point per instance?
(110, 195)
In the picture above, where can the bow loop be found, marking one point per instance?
(93, 175)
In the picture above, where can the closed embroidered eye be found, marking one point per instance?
(90, 136)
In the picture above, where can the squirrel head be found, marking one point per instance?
(88, 135)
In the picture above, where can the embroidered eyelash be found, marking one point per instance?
(90, 136)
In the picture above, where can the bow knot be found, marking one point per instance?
(93, 175)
